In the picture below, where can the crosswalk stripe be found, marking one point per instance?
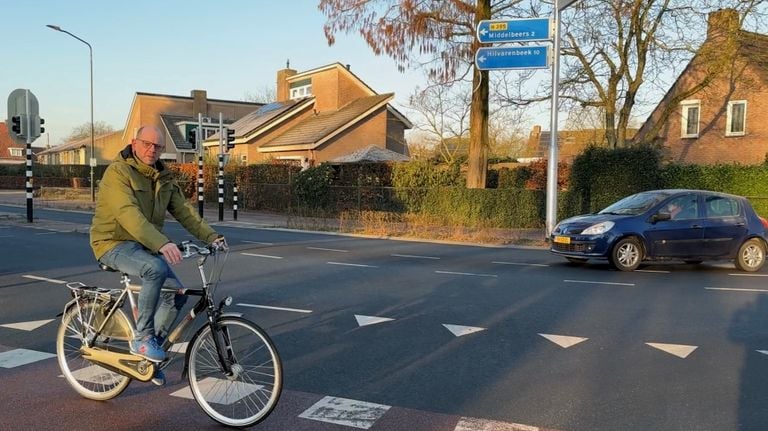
(346, 412)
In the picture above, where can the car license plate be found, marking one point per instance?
(563, 239)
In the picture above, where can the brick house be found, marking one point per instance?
(320, 115)
(570, 142)
(715, 110)
(177, 115)
(11, 153)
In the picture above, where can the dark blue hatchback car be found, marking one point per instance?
(687, 225)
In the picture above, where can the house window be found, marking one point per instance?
(690, 122)
(16, 152)
(301, 88)
(243, 159)
(737, 118)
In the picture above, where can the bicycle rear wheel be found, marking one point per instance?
(250, 394)
(88, 379)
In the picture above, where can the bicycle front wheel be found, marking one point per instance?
(250, 392)
(88, 379)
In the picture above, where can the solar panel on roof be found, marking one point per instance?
(269, 107)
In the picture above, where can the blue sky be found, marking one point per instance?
(229, 48)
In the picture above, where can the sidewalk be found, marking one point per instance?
(533, 238)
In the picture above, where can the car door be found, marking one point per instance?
(725, 225)
(680, 236)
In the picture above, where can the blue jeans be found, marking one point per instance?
(133, 259)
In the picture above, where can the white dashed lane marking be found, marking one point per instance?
(471, 274)
(359, 265)
(414, 256)
(328, 249)
(609, 283)
(50, 280)
(734, 289)
(265, 256)
(520, 264)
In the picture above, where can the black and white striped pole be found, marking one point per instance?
(23, 113)
(200, 184)
(234, 200)
(221, 168)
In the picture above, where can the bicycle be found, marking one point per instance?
(232, 366)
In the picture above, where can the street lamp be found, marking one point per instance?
(93, 155)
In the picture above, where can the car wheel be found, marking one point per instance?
(751, 255)
(627, 254)
(576, 260)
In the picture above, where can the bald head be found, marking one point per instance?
(148, 144)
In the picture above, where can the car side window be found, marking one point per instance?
(720, 206)
(683, 207)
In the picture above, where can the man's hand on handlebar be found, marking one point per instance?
(171, 253)
(219, 243)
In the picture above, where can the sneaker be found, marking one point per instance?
(148, 349)
(159, 377)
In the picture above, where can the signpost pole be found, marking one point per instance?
(551, 216)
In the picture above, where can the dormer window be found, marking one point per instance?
(301, 89)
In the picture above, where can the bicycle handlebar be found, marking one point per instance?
(189, 248)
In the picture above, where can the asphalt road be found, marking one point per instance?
(446, 337)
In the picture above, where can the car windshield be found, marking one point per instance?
(635, 204)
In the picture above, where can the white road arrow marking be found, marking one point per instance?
(764, 352)
(459, 330)
(564, 341)
(370, 320)
(679, 350)
(27, 326)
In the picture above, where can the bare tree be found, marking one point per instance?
(266, 94)
(444, 116)
(440, 35)
(84, 131)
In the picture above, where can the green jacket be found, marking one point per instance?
(131, 206)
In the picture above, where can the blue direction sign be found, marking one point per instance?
(519, 57)
(514, 30)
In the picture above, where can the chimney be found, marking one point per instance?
(282, 84)
(536, 132)
(199, 103)
(723, 22)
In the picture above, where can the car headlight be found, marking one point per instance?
(598, 229)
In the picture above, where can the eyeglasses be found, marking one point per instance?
(147, 145)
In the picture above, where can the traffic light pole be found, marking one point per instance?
(200, 183)
(29, 139)
(221, 167)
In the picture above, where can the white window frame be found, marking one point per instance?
(303, 91)
(729, 121)
(16, 152)
(244, 159)
(686, 105)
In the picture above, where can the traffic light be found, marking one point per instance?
(16, 127)
(39, 125)
(192, 138)
(230, 138)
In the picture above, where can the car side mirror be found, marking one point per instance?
(661, 216)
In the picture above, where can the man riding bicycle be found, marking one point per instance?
(126, 234)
